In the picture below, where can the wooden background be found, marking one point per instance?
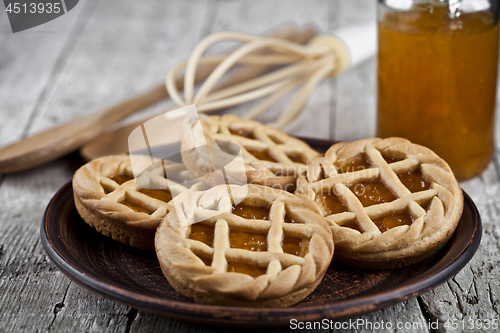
(103, 51)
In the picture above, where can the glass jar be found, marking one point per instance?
(437, 76)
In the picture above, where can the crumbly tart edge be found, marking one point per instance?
(129, 235)
(212, 298)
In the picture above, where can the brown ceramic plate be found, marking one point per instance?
(133, 277)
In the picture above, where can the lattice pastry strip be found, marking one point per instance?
(390, 203)
(269, 249)
(273, 158)
(109, 199)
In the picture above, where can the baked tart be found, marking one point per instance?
(390, 203)
(264, 248)
(272, 157)
(109, 199)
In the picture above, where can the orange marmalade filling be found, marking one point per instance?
(372, 192)
(248, 212)
(261, 155)
(242, 132)
(202, 233)
(120, 179)
(240, 267)
(250, 241)
(414, 181)
(162, 195)
(392, 221)
(353, 164)
(292, 245)
(330, 203)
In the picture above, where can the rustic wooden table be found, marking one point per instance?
(103, 51)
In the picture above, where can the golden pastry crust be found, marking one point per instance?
(108, 198)
(221, 265)
(336, 182)
(272, 157)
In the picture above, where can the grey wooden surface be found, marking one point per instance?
(103, 51)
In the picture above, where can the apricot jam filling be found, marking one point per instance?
(353, 164)
(136, 207)
(202, 233)
(297, 158)
(242, 132)
(276, 139)
(107, 189)
(240, 267)
(249, 212)
(351, 225)
(330, 203)
(372, 192)
(289, 219)
(250, 241)
(206, 261)
(262, 155)
(392, 221)
(391, 159)
(414, 181)
(162, 195)
(120, 179)
(292, 245)
(322, 174)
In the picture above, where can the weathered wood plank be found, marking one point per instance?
(474, 294)
(27, 300)
(402, 317)
(146, 322)
(126, 48)
(29, 63)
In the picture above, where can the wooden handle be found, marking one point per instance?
(59, 141)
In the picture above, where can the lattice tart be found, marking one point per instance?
(390, 203)
(265, 248)
(272, 157)
(109, 199)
